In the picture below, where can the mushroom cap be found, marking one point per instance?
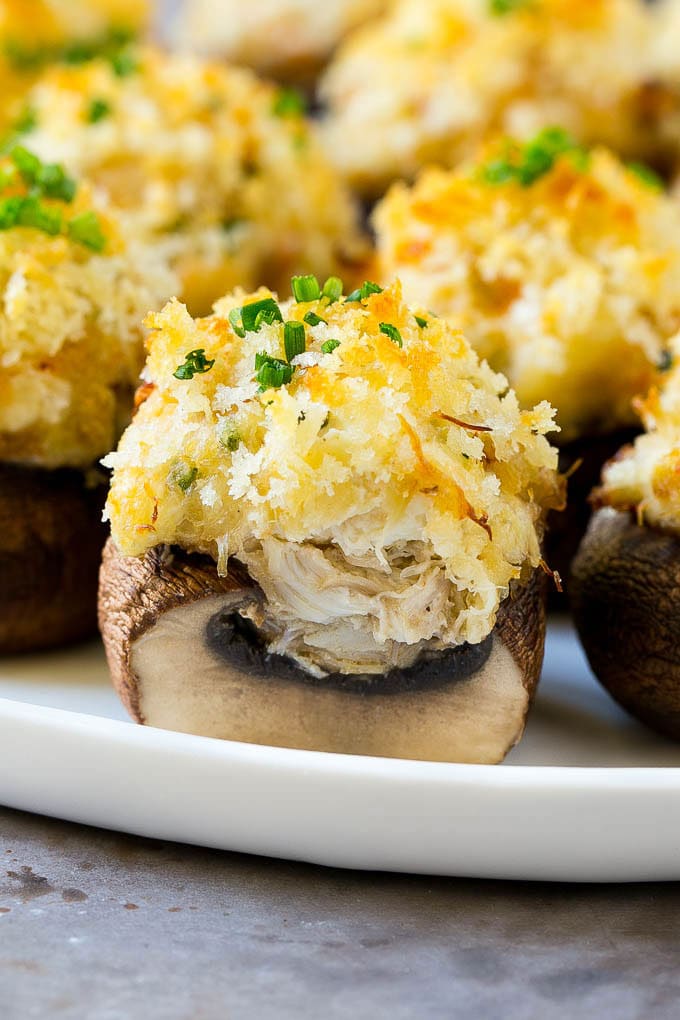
(51, 536)
(625, 596)
(581, 461)
(161, 615)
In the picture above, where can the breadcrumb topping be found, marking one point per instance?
(382, 466)
(222, 171)
(428, 82)
(73, 292)
(643, 477)
(562, 268)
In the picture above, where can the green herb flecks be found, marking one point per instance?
(332, 289)
(289, 102)
(305, 288)
(183, 476)
(98, 109)
(48, 179)
(256, 314)
(364, 291)
(294, 339)
(328, 346)
(646, 175)
(270, 372)
(392, 332)
(525, 164)
(230, 438)
(86, 229)
(312, 319)
(501, 7)
(195, 363)
(421, 322)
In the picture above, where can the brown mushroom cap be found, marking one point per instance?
(51, 537)
(582, 460)
(625, 595)
(182, 657)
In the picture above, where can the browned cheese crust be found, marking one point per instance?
(625, 594)
(51, 538)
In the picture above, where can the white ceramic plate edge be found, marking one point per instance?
(528, 822)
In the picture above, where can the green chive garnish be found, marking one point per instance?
(332, 289)
(98, 110)
(294, 339)
(328, 346)
(421, 322)
(392, 332)
(86, 229)
(364, 291)
(289, 102)
(195, 363)
(236, 322)
(271, 372)
(305, 288)
(646, 175)
(259, 312)
(312, 319)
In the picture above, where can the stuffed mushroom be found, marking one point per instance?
(429, 81)
(220, 171)
(326, 522)
(627, 574)
(562, 267)
(300, 34)
(74, 292)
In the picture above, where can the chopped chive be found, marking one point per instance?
(46, 178)
(86, 229)
(525, 164)
(34, 213)
(646, 175)
(257, 312)
(501, 7)
(289, 102)
(9, 211)
(368, 288)
(97, 110)
(305, 288)
(271, 372)
(392, 332)
(421, 322)
(328, 346)
(364, 291)
(332, 289)
(312, 319)
(230, 438)
(236, 323)
(294, 339)
(124, 64)
(195, 363)
(184, 476)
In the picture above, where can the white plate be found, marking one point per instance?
(588, 796)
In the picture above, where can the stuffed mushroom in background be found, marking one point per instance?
(326, 522)
(562, 268)
(220, 171)
(300, 34)
(35, 33)
(626, 580)
(429, 81)
(74, 292)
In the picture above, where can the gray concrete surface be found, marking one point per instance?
(99, 926)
